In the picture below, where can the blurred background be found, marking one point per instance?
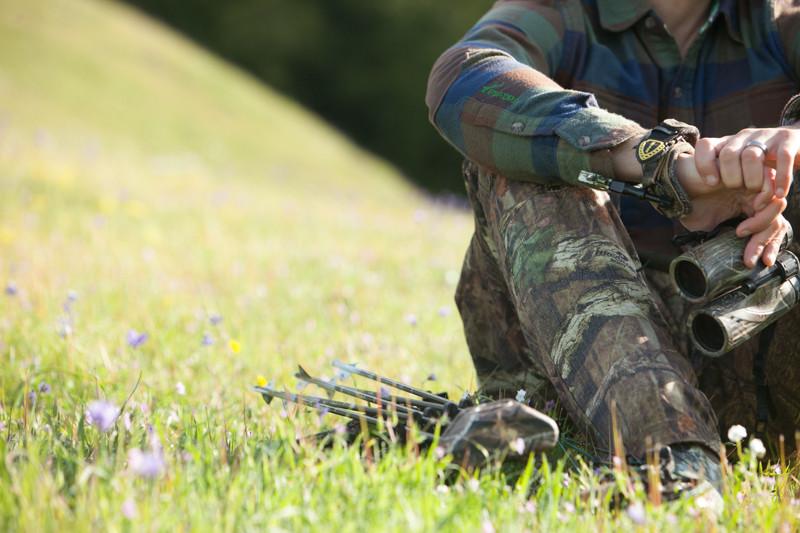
(360, 64)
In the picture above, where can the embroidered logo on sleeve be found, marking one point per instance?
(494, 91)
(650, 148)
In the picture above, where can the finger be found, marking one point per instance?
(767, 190)
(771, 250)
(730, 163)
(785, 152)
(764, 245)
(754, 249)
(753, 164)
(762, 219)
(705, 158)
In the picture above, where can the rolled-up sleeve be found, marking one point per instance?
(493, 98)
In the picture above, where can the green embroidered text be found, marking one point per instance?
(494, 91)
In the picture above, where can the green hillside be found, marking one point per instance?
(159, 183)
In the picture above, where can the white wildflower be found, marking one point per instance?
(520, 397)
(518, 445)
(737, 433)
(757, 448)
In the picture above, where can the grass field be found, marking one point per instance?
(164, 217)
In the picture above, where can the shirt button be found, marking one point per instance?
(650, 23)
(517, 127)
(678, 92)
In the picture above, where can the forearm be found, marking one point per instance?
(623, 160)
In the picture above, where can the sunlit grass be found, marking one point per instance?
(169, 231)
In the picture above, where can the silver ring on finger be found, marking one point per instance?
(757, 144)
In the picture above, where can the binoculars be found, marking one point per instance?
(732, 302)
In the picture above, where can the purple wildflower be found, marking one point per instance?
(431, 377)
(208, 340)
(411, 319)
(102, 414)
(549, 405)
(636, 513)
(44, 387)
(129, 509)
(11, 289)
(32, 398)
(72, 297)
(145, 464)
(135, 339)
(444, 311)
(153, 440)
(215, 319)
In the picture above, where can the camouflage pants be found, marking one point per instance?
(554, 300)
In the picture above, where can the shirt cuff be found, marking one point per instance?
(586, 139)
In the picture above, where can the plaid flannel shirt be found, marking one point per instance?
(538, 90)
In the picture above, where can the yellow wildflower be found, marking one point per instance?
(7, 235)
(235, 346)
(261, 381)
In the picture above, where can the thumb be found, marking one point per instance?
(689, 178)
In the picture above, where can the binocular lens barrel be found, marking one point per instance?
(730, 320)
(711, 268)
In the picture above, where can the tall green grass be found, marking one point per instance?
(146, 186)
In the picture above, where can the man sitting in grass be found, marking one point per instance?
(554, 297)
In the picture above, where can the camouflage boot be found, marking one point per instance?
(497, 430)
(696, 462)
(693, 471)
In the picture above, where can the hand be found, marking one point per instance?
(736, 165)
(713, 204)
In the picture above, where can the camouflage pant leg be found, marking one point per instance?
(502, 358)
(590, 321)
